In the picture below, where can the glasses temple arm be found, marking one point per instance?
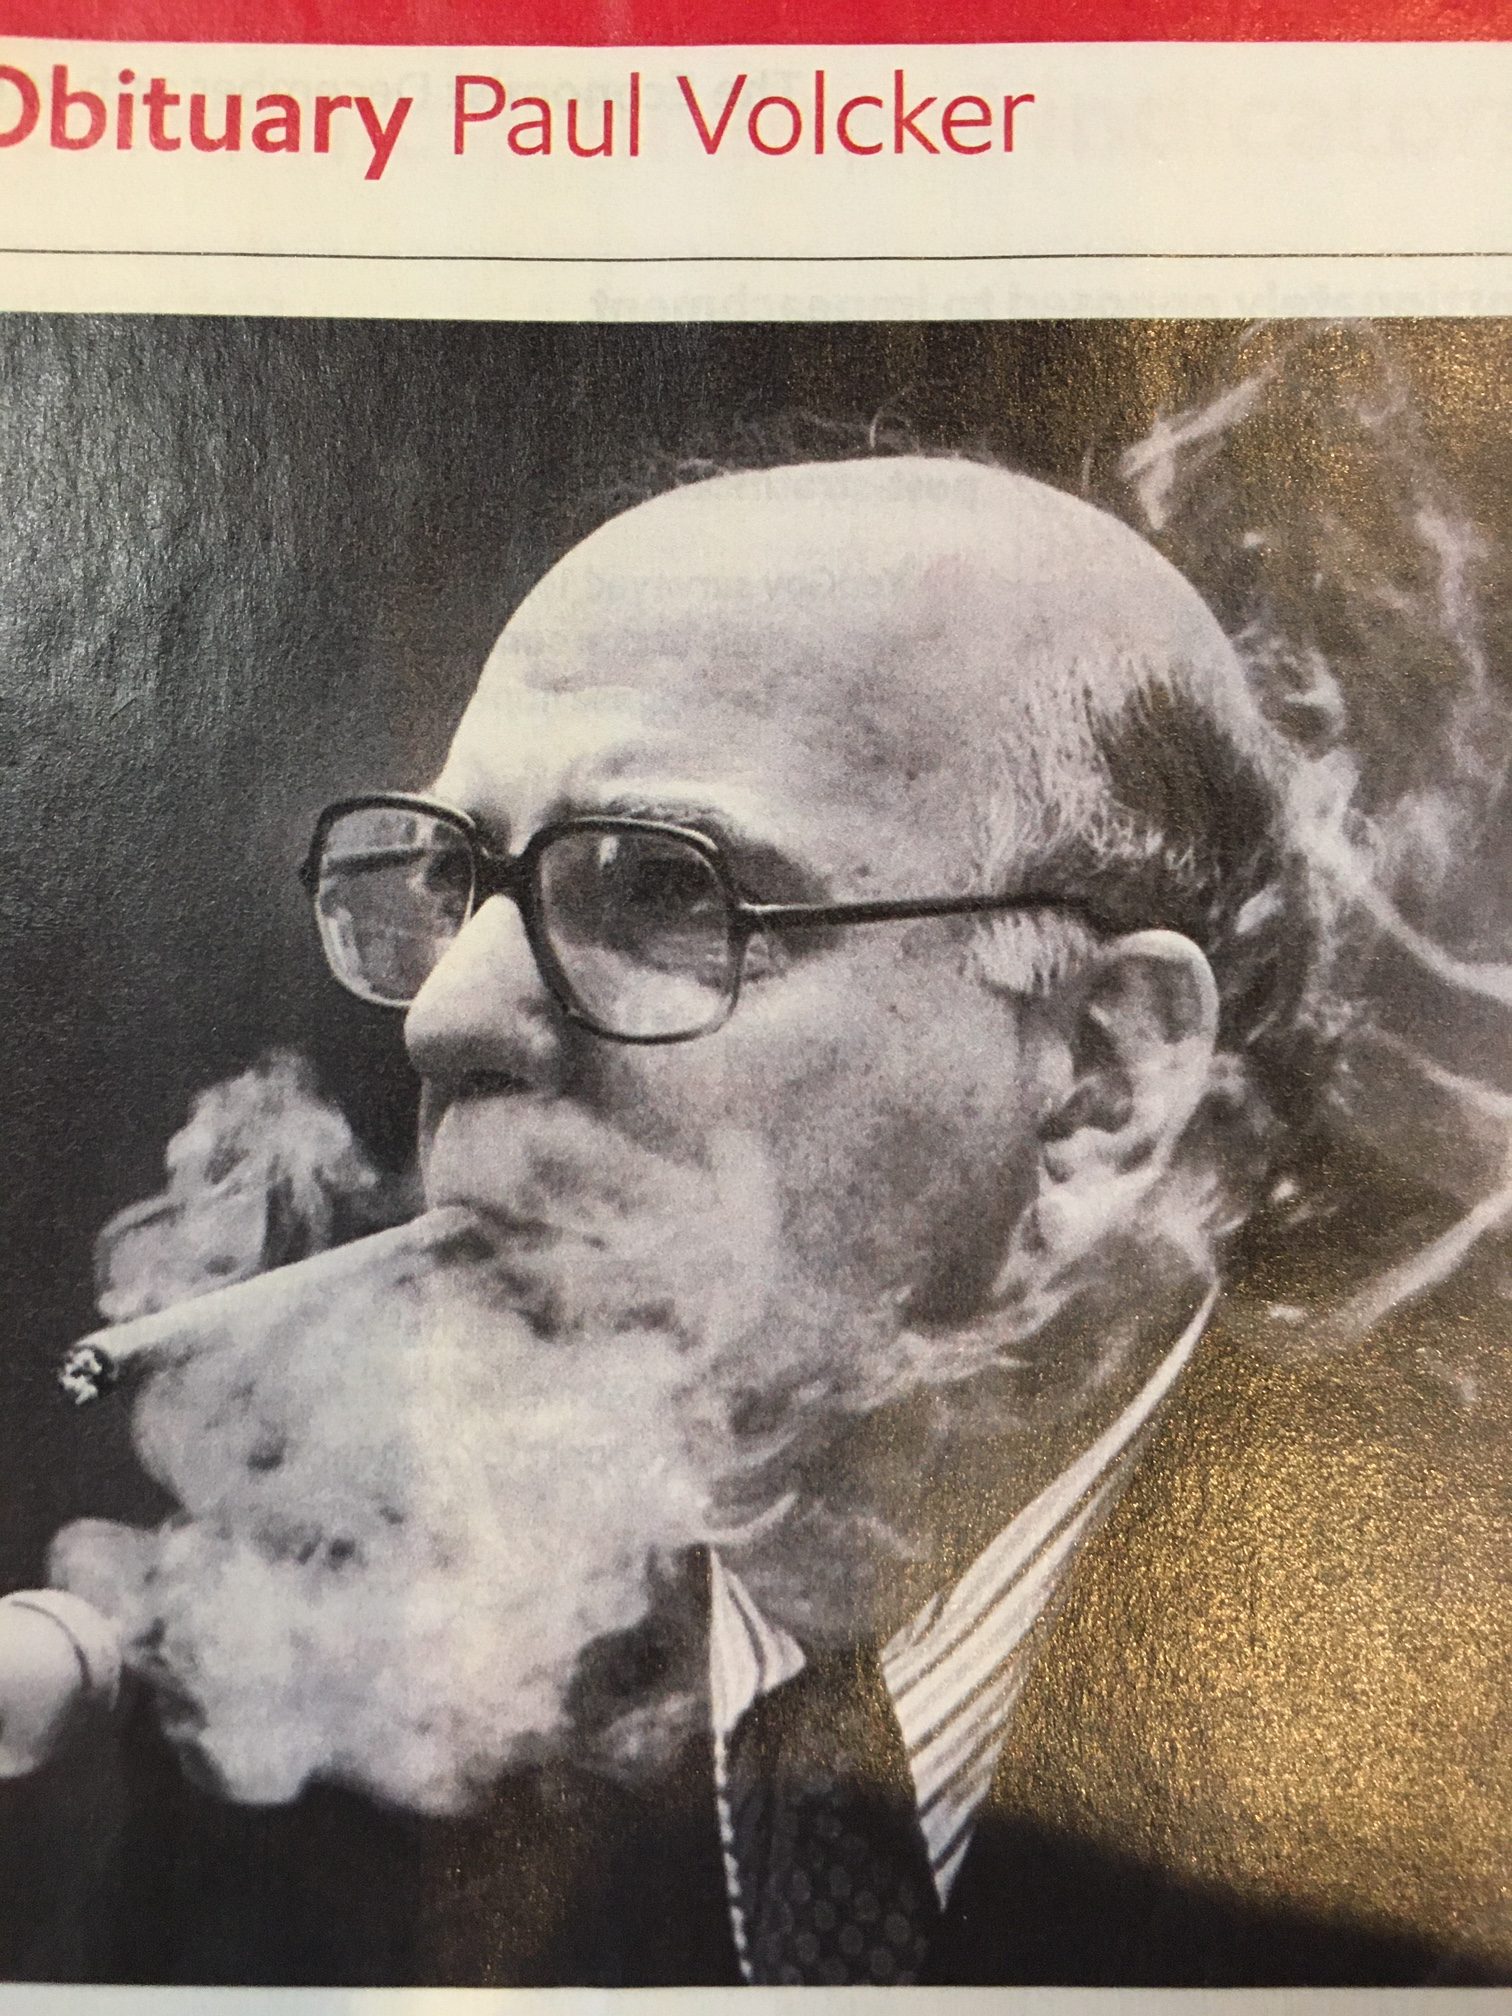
(797, 916)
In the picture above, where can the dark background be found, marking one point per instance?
(248, 565)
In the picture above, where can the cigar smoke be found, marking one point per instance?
(1303, 499)
(263, 1172)
(373, 1575)
(415, 1478)
(423, 1477)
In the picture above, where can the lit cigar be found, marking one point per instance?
(247, 1309)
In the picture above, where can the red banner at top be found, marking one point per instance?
(682, 23)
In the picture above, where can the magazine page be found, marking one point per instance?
(758, 917)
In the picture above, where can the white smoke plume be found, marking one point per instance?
(263, 1172)
(417, 1478)
(420, 1481)
(1302, 498)
(372, 1576)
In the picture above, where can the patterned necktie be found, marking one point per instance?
(831, 1876)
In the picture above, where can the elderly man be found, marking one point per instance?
(893, 852)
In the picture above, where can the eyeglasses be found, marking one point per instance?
(637, 927)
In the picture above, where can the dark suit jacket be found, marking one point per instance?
(1264, 1744)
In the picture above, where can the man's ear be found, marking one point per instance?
(1140, 1030)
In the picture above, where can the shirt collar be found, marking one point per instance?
(955, 1669)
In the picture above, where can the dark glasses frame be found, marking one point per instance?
(516, 876)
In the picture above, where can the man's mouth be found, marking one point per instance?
(533, 1173)
(507, 1230)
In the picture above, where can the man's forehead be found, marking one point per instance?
(868, 641)
(769, 784)
(758, 584)
(761, 657)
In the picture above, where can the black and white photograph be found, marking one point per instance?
(758, 1219)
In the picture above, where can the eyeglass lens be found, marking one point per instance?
(636, 924)
(394, 888)
(639, 925)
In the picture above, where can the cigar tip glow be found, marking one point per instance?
(86, 1373)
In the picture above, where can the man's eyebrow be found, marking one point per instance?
(766, 868)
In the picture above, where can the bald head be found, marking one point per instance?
(992, 662)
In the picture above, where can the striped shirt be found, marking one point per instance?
(954, 1673)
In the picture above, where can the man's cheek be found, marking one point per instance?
(870, 1187)
(918, 1181)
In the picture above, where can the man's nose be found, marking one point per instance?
(485, 1009)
